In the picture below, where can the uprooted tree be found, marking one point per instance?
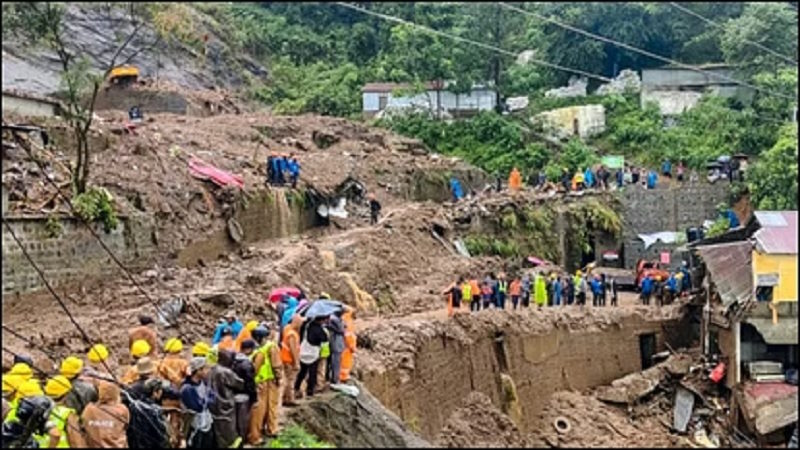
(43, 23)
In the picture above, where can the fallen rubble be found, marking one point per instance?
(479, 424)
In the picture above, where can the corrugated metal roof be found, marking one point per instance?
(778, 233)
(729, 266)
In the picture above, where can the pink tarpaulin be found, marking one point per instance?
(200, 169)
(276, 294)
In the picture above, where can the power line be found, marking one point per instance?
(720, 26)
(31, 343)
(643, 52)
(49, 288)
(114, 258)
(47, 375)
(469, 41)
(506, 52)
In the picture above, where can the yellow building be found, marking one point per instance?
(775, 256)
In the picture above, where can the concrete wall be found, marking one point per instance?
(268, 215)
(660, 78)
(443, 369)
(148, 101)
(74, 255)
(560, 123)
(28, 107)
(670, 209)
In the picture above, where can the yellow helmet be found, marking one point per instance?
(23, 370)
(250, 326)
(200, 349)
(71, 366)
(140, 348)
(325, 295)
(11, 383)
(98, 353)
(173, 345)
(578, 273)
(29, 388)
(57, 386)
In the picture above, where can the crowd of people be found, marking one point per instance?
(281, 166)
(225, 393)
(553, 289)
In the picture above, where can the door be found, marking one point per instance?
(647, 348)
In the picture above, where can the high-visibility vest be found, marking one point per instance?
(325, 350)
(502, 286)
(466, 292)
(58, 418)
(265, 371)
(286, 351)
(12, 411)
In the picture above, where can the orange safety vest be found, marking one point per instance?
(286, 351)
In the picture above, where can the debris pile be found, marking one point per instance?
(479, 424)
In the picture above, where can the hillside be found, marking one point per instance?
(178, 56)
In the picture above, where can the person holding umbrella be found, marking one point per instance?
(312, 335)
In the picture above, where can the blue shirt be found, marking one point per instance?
(647, 285)
(666, 167)
(282, 165)
(731, 216)
(672, 283)
(236, 328)
(588, 178)
(294, 167)
(597, 288)
(455, 188)
(651, 180)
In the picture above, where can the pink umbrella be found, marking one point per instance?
(277, 294)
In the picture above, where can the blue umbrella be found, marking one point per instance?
(321, 308)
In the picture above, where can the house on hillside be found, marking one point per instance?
(27, 104)
(676, 89)
(750, 320)
(377, 98)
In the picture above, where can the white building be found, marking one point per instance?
(377, 97)
(676, 89)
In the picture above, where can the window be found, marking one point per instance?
(383, 100)
(764, 293)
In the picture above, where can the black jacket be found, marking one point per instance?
(243, 367)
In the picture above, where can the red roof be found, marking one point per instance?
(778, 232)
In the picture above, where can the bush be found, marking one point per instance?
(96, 204)
(297, 437)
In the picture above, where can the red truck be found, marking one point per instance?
(651, 268)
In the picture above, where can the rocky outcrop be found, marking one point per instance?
(354, 422)
(92, 30)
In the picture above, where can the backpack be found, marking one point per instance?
(308, 353)
(147, 427)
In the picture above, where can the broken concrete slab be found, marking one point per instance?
(632, 387)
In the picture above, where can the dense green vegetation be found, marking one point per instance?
(320, 56)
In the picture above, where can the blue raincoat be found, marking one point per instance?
(588, 178)
(455, 189)
(291, 307)
(236, 328)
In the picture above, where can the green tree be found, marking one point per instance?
(42, 23)
(773, 178)
(773, 25)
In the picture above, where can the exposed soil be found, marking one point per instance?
(479, 424)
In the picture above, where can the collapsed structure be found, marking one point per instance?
(750, 320)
